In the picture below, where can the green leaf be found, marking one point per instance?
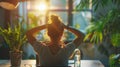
(13, 36)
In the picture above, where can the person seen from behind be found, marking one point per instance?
(55, 52)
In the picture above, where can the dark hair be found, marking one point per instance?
(55, 28)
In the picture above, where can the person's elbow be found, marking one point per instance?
(30, 37)
(79, 40)
(81, 36)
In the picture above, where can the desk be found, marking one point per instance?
(31, 63)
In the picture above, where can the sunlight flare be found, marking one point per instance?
(42, 7)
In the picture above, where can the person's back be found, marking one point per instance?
(58, 59)
(54, 52)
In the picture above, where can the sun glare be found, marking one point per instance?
(42, 7)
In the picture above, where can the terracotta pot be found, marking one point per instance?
(15, 58)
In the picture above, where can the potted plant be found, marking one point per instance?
(107, 26)
(15, 37)
(106, 29)
(104, 25)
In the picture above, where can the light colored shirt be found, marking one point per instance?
(59, 59)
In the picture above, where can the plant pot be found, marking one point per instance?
(15, 58)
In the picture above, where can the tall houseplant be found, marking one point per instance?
(15, 38)
(105, 26)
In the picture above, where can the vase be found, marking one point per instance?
(15, 58)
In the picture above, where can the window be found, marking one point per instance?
(35, 13)
(38, 10)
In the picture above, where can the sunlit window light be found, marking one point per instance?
(42, 7)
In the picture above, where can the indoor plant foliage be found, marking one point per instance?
(108, 26)
(106, 29)
(14, 36)
(114, 60)
(84, 4)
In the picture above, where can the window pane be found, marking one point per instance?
(32, 4)
(58, 4)
(37, 5)
(84, 4)
(36, 18)
(81, 20)
(75, 3)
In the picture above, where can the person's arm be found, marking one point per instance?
(79, 35)
(30, 34)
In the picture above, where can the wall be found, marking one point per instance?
(4, 50)
(2, 17)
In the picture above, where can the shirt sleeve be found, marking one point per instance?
(70, 47)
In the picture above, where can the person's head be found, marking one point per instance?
(55, 29)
